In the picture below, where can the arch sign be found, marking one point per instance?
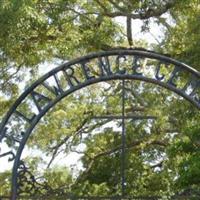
(131, 64)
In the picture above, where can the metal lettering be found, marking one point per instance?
(71, 79)
(56, 90)
(120, 71)
(158, 76)
(86, 71)
(37, 98)
(104, 66)
(29, 120)
(195, 86)
(173, 76)
(136, 66)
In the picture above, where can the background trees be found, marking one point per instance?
(162, 154)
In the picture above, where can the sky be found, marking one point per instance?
(154, 36)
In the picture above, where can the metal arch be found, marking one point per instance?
(133, 52)
(107, 74)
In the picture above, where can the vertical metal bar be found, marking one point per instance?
(123, 180)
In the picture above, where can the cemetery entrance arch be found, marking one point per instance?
(121, 64)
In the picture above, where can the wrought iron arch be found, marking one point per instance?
(119, 64)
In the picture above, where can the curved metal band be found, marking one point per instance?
(91, 56)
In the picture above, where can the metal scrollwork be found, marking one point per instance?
(27, 183)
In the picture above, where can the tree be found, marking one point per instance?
(34, 32)
(161, 155)
(181, 42)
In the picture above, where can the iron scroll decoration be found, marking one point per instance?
(94, 68)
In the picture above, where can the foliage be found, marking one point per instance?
(162, 155)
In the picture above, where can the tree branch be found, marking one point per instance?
(57, 147)
(116, 149)
(150, 12)
(160, 164)
(79, 130)
(129, 31)
(117, 6)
